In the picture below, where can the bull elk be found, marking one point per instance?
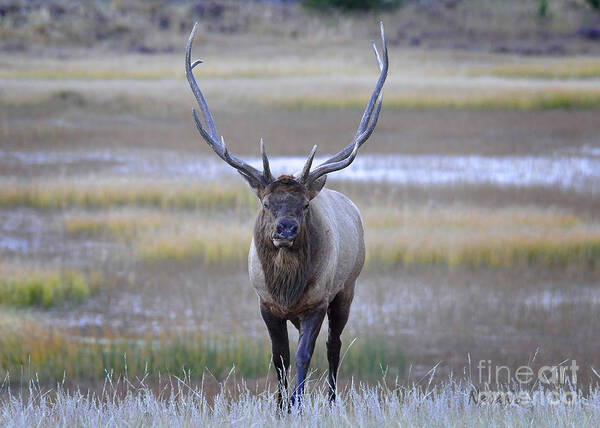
(307, 248)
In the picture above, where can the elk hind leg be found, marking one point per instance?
(337, 314)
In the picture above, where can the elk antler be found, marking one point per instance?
(212, 137)
(345, 157)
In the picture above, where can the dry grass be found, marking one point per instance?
(164, 67)
(222, 242)
(131, 402)
(217, 227)
(327, 78)
(420, 236)
(547, 70)
(218, 239)
(474, 237)
(484, 100)
(54, 195)
(125, 226)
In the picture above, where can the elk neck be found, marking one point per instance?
(287, 271)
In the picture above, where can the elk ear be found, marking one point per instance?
(316, 186)
(255, 185)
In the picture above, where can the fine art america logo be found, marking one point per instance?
(546, 385)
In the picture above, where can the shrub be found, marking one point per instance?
(594, 3)
(350, 5)
(542, 8)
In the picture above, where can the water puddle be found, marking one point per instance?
(14, 244)
(552, 299)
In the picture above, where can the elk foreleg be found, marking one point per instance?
(280, 347)
(310, 325)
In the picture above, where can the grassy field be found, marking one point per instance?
(171, 222)
(124, 240)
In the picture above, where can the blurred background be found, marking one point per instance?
(123, 237)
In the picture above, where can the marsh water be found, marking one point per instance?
(576, 170)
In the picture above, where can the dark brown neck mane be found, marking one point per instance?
(287, 270)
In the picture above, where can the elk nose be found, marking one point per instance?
(287, 229)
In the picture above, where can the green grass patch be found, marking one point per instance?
(47, 289)
(49, 355)
(523, 100)
(545, 71)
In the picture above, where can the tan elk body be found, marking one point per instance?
(307, 248)
(338, 263)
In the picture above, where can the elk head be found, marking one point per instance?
(286, 200)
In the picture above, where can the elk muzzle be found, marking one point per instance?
(285, 232)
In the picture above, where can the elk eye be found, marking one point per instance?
(306, 206)
(265, 205)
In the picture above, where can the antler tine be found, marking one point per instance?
(211, 136)
(307, 165)
(329, 167)
(383, 64)
(266, 168)
(383, 67)
(210, 123)
(377, 57)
